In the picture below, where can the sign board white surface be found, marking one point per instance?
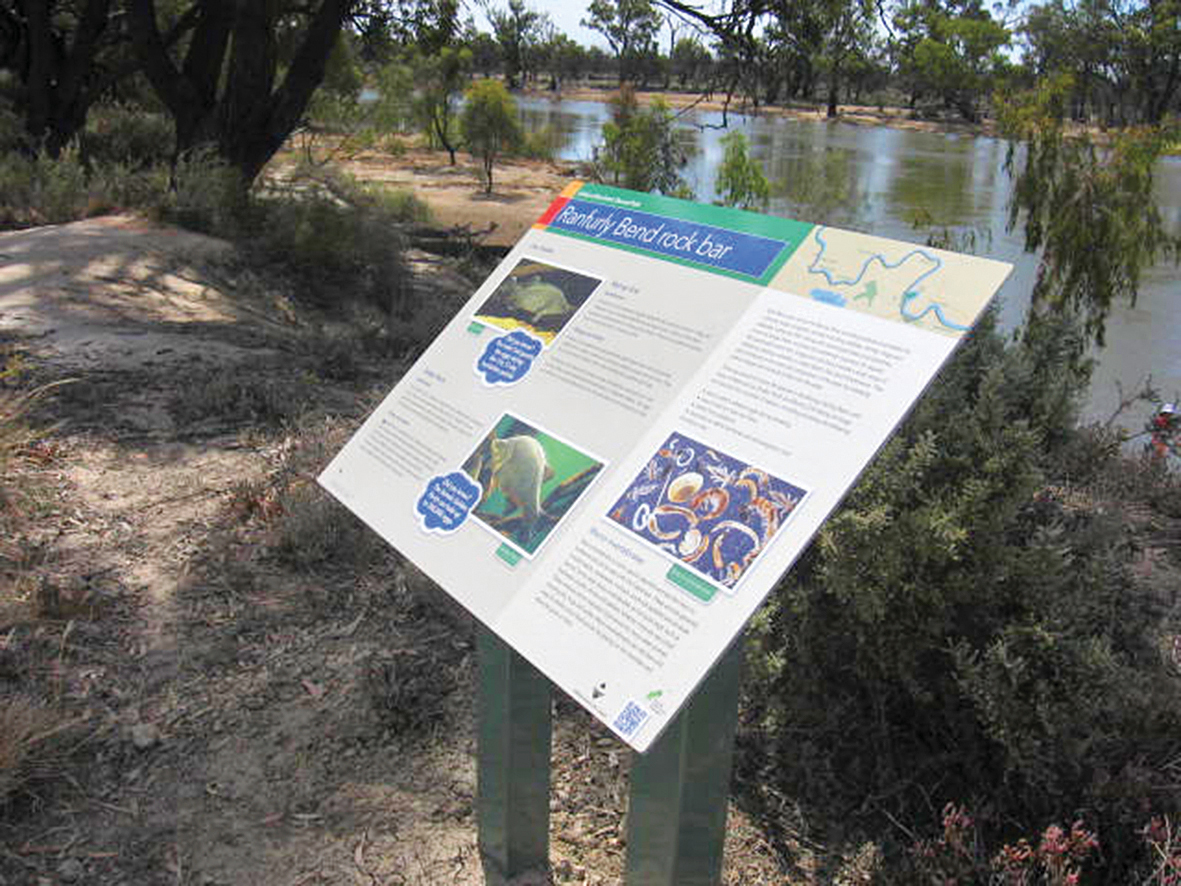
(640, 419)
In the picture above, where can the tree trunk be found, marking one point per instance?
(235, 107)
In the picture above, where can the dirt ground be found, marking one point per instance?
(237, 712)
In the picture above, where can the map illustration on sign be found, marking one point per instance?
(888, 279)
(638, 422)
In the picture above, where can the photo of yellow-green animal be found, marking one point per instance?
(537, 297)
(530, 481)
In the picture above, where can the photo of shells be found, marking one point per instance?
(530, 481)
(538, 298)
(713, 512)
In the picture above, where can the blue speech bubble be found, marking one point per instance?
(507, 358)
(447, 501)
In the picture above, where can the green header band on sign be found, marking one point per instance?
(741, 245)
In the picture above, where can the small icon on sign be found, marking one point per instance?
(654, 694)
(599, 691)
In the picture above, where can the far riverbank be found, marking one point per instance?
(856, 115)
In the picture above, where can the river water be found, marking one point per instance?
(877, 180)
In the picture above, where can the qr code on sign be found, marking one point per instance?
(630, 719)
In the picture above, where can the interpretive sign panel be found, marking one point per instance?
(640, 419)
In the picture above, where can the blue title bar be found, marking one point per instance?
(727, 250)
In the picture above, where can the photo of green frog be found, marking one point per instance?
(538, 298)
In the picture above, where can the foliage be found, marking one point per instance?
(542, 144)
(955, 57)
(520, 30)
(127, 135)
(383, 27)
(242, 81)
(1056, 858)
(489, 124)
(337, 240)
(440, 81)
(630, 28)
(1088, 206)
(690, 62)
(740, 181)
(563, 58)
(1124, 59)
(640, 148)
(962, 624)
(41, 189)
(345, 119)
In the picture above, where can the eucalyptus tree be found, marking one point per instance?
(241, 82)
(690, 61)
(61, 56)
(441, 79)
(629, 27)
(1124, 56)
(519, 29)
(952, 52)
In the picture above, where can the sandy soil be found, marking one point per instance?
(234, 718)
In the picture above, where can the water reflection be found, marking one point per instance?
(878, 180)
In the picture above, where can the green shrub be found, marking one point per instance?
(42, 190)
(338, 240)
(542, 144)
(741, 182)
(128, 136)
(205, 196)
(235, 397)
(489, 125)
(39, 189)
(961, 629)
(641, 149)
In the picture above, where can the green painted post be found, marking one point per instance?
(514, 761)
(676, 820)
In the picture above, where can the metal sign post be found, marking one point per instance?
(514, 761)
(679, 789)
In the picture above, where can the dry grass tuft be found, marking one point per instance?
(28, 749)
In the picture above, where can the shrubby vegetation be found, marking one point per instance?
(967, 634)
(966, 627)
(489, 125)
(640, 148)
(740, 181)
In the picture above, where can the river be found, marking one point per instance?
(877, 179)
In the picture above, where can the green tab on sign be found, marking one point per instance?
(691, 582)
(509, 555)
(475, 328)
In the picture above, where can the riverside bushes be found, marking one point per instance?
(966, 627)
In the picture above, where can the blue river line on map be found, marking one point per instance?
(909, 295)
